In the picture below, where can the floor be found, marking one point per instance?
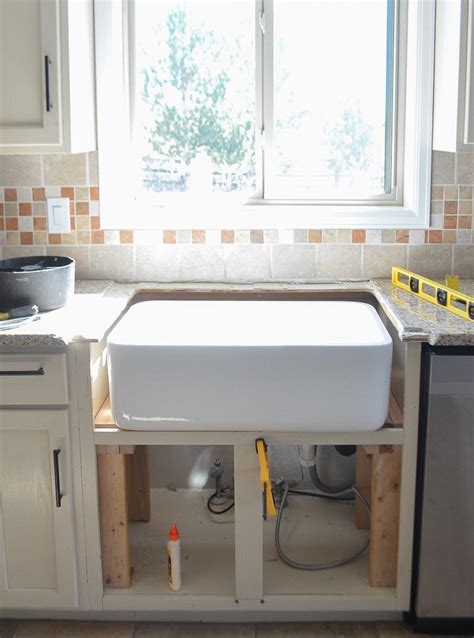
(66, 629)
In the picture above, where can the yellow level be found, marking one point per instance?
(442, 296)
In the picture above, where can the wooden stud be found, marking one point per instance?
(138, 484)
(384, 523)
(363, 484)
(116, 566)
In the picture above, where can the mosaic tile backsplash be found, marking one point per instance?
(227, 254)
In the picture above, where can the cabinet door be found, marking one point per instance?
(29, 73)
(37, 555)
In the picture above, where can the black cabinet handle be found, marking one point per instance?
(57, 480)
(47, 62)
(23, 373)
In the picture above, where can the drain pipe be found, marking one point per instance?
(307, 458)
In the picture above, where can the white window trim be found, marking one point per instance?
(119, 209)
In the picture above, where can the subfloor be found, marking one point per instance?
(313, 530)
(70, 629)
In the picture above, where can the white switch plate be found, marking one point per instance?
(58, 215)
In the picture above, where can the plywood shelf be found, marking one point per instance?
(107, 433)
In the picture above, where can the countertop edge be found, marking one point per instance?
(401, 308)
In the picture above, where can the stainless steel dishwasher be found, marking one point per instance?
(443, 568)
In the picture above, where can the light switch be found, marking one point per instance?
(58, 215)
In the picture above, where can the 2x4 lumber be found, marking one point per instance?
(137, 468)
(385, 517)
(113, 516)
(363, 484)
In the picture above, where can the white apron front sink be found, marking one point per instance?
(307, 366)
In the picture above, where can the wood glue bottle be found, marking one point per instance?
(174, 559)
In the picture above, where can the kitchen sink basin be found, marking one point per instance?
(303, 366)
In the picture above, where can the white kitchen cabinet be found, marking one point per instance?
(37, 547)
(453, 123)
(47, 76)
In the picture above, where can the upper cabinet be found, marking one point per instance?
(453, 125)
(47, 96)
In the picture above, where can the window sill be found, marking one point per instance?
(267, 216)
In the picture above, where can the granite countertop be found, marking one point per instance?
(96, 306)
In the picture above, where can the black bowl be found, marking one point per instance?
(47, 282)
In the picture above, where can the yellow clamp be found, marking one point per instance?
(268, 503)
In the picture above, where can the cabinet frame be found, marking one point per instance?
(248, 581)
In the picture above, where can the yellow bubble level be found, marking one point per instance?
(440, 295)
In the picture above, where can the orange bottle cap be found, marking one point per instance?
(174, 533)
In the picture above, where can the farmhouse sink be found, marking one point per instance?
(307, 366)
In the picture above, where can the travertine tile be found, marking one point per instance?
(22, 251)
(300, 236)
(378, 260)
(92, 159)
(337, 261)
(431, 260)
(112, 262)
(443, 168)
(451, 192)
(344, 236)
(329, 236)
(201, 263)
(464, 261)
(60, 170)
(296, 261)
(227, 236)
(373, 236)
(242, 236)
(256, 236)
(157, 263)
(270, 236)
(388, 236)
(416, 236)
(465, 168)
(20, 170)
(183, 236)
(247, 263)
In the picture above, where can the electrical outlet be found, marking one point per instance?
(58, 215)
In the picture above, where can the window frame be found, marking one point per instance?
(412, 115)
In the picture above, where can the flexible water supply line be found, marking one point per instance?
(319, 566)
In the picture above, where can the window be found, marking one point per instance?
(264, 112)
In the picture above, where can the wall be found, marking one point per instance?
(219, 255)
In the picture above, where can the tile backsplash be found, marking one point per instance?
(227, 255)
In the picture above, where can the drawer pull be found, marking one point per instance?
(57, 480)
(23, 373)
(47, 62)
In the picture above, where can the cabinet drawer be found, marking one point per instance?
(33, 379)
